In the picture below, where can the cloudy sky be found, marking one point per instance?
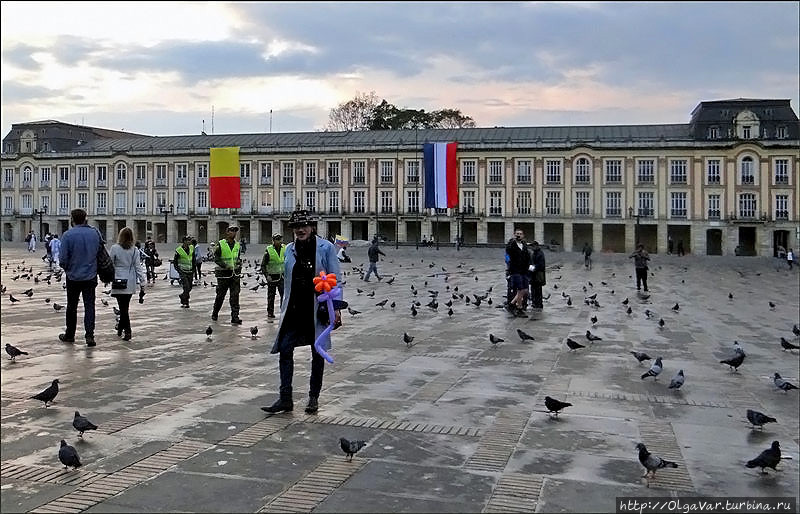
(158, 68)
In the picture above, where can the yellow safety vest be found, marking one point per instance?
(185, 262)
(275, 264)
(229, 256)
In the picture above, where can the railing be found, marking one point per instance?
(265, 209)
(44, 184)
(26, 184)
(678, 213)
(180, 209)
(524, 180)
(781, 215)
(495, 180)
(585, 213)
(387, 210)
(244, 181)
(8, 212)
(63, 210)
(553, 211)
(63, 183)
(359, 181)
(101, 183)
(781, 179)
(8, 185)
(613, 213)
(582, 179)
(201, 210)
(161, 182)
(287, 182)
(100, 210)
(748, 180)
(495, 212)
(613, 180)
(83, 183)
(140, 210)
(714, 214)
(713, 180)
(120, 210)
(264, 181)
(524, 211)
(180, 181)
(121, 183)
(646, 179)
(26, 210)
(469, 180)
(201, 181)
(333, 181)
(387, 180)
(359, 210)
(140, 182)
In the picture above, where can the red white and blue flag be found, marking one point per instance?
(441, 175)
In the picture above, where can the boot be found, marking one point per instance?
(313, 405)
(127, 336)
(283, 404)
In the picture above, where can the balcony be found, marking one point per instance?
(613, 180)
(141, 210)
(161, 182)
(781, 215)
(469, 180)
(63, 210)
(121, 183)
(101, 183)
(8, 212)
(100, 210)
(714, 214)
(526, 179)
(223, 211)
(120, 210)
(82, 183)
(44, 184)
(713, 180)
(245, 181)
(583, 212)
(678, 214)
(265, 181)
(748, 180)
(180, 181)
(614, 213)
(582, 179)
(387, 210)
(140, 182)
(63, 184)
(782, 179)
(180, 209)
(8, 185)
(495, 211)
(495, 180)
(553, 211)
(26, 184)
(677, 179)
(359, 181)
(333, 181)
(523, 211)
(201, 210)
(26, 211)
(646, 179)
(287, 181)
(265, 209)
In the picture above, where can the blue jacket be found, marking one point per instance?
(327, 262)
(78, 256)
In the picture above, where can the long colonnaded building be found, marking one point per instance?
(724, 183)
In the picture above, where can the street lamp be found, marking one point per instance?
(39, 213)
(460, 213)
(166, 212)
(642, 212)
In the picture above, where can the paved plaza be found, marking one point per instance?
(452, 423)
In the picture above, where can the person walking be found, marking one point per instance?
(228, 272)
(198, 262)
(31, 239)
(587, 255)
(128, 271)
(55, 251)
(184, 265)
(272, 268)
(790, 258)
(537, 275)
(373, 252)
(669, 245)
(640, 258)
(518, 266)
(78, 259)
(301, 320)
(151, 255)
(48, 254)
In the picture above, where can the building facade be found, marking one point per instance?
(724, 183)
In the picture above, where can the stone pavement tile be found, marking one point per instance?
(561, 495)
(575, 465)
(257, 462)
(377, 501)
(315, 440)
(181, 492)
(425, 449)
(601, 436)
(126, 457)
(22, 496)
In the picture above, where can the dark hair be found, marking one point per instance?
(125, 237)
(78, 216)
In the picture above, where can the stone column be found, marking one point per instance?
(347, 229)
(566, 244)
(661, 237)
(402, 233)
(482, 235)
(597, 236)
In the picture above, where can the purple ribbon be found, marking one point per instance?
(329, 297)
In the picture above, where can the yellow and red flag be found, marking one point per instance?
(224, 178)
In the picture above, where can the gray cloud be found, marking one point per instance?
(21, 56)
(14, 92)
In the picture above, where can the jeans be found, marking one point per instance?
(536, 296)
(641, 277)
(271, 287)
(76, 289)
(196, 270)
(287, 370)
(124, 302)
(186, 282)
(223, 284)
(151, 272)
(373, 266)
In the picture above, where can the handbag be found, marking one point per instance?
(119, 283)
(105, 266)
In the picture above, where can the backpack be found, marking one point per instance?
(28, 238)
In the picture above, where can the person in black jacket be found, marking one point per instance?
(373, 252)
(518, 264)
(537, 275)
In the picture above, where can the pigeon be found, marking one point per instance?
(494, 340)
(553, 405)
(28, 292)
(641, 356)
(209, 331)
(655, 370)
(381, 303)
(593, 297)
(650, 462)
(661, 322)
(738, 348)
(786, 345)
(569, 301)
(730, 296)
(372, 294)
(350, 448)
(433, 304)
(593, 319)
(676, 307)
(759, 419)
(48, 395)
(57, 307)
(390, 281)
(408, 339)
(734, 362)
(449, 312)
(254, 331)
(769, 458)
(523, 336)
(68, 456)
(647, 313)
(574, 345)
(591, 337)
(13, 300)
(796, 330)
(116, 311)
(14, 352)
(625, 301)
(359, 291)
(449, 303)
(677, 380)
(392, 305)
(81, 424)
(772, 306)
(102, 300)
(782, 384)
(353, 312)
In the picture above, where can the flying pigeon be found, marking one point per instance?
(769, 458)
(408, 339)
(14, 352)
(655, 369)
(350, 448)
(786, 345)
(81, 424)
(591, 337)
(759, 419)
(494, 340)
(68, 456)
(734, 362)
(641, 356)
(782, 384)
(48, 395)
(553, 405)
(524, 336)
(253, 332)
(677, 380)
(651, 462)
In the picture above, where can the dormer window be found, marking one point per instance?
(747, 124)
(746, 132)
(781, 133)
(713, 133)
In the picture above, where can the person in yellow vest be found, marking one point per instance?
(184, 265)
(228, 272)
(272, 269)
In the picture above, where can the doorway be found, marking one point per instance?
(713, 241)
(780, 238)
(747, 241)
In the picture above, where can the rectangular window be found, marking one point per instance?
(552, 203)
(358, 202)
(412, 172)
(287, 199)
(8, 204)
(333, 200)
(27, 177)
(495, 172)
(614, 171)
(387, 202)
(677, 171)
(553, 171)
(583, 171)
(311, 201)
(781, 207)
(746, 132)
(333, 173)
(120, 202)
(613, 204)
(44, 203)
(101, 203)
(712, 171)
(181, 204)
(161, 202)
(524, 203)
(63, 176)
(747, 173)
(161, 175)
(141, 175)
(359, 172)
(26, 205)
(83, 201)
(646, 205)
(412, 201)
(524, 172)
(63, 203)
(8, 177)
(678, 205)
(265, 201)
(468, 172)
(747, 205)
(201, 174)
(140, 202)
(468, 202)
(287, 175)
(181, 175)
(266, 174)
(121, 175)
(311, 172)
(44, 176)
(582, 203)
(201, 206)
(83, 176)
(101, 175)
(780, 133)
(781, 171)
(387, 172)
(714, 211)
(245, 205)
(495, 202)
(713, 133)
(244, 173)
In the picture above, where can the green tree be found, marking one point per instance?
(365, 112)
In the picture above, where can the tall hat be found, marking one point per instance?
(300, 218)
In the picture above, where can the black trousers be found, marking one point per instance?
(271, 288)
(151, 272)
(287, 370)
(223, 285)
(641, 277)
(75, 290)
(196, 269)
(186, 282)
(536, 296)
(124, 302)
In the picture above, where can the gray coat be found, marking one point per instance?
(127, 264)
